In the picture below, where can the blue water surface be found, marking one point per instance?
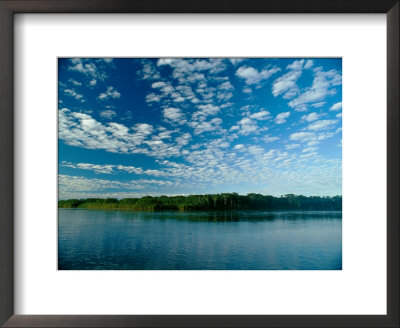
(239, 240)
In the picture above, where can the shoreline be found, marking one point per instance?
(210, 210)
(210, 202)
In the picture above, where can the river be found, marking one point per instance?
(239, 240)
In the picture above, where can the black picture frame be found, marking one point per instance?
(10, 7)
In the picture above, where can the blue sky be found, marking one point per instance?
(130, 127)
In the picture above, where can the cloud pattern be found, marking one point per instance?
(130, 127)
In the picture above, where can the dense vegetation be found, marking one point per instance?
(226, 201)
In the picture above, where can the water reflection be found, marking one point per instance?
(227, 216)
(219, 240)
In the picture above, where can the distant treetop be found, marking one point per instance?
(224, 201)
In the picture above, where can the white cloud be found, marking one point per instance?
(144, 128)
(296, 65)
(188, 70)
(336, 106)
(159, 84)
(74, 82)
(174, 115)
(281, 157)
(268, 138)
(168, 89)
(110, 93)
(309, 149)
(206, 126)
(282, 117)
(224, 144)
(105, 169)
(179, 99)
(155, 143)
(82, 187)
(308, 155)
(262, 115)
(224, 96)
(226, 86)
(246, 126)
(322, 125)
(155, 173)
(255, 150)
(73, 93)
(318, 104)
(247, 90)
(310, 117)
(67, 183)
(164, 134)
(148, 71)
(303, 136)
(205, 110)
(286, 84)
(187, 92)
(165, 61)
(239, 147)
(236, 61)
(87, 68)
(308, 64)
(184, 139)
(252, 76)
(152, 97)
(224, 92)
(292, 146)
(102, 168)
(81, 130)
(130, 169)
(323, 86)
(109, 114)
(179, 89)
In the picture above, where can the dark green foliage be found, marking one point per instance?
(70, 203)
(225, 201)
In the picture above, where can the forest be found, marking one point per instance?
(224, 201)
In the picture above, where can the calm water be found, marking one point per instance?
(243, 240)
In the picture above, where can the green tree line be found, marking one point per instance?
(225, 201)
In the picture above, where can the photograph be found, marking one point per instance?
(199, 163)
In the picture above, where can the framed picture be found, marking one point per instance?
(185, 162)
(165, 168)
